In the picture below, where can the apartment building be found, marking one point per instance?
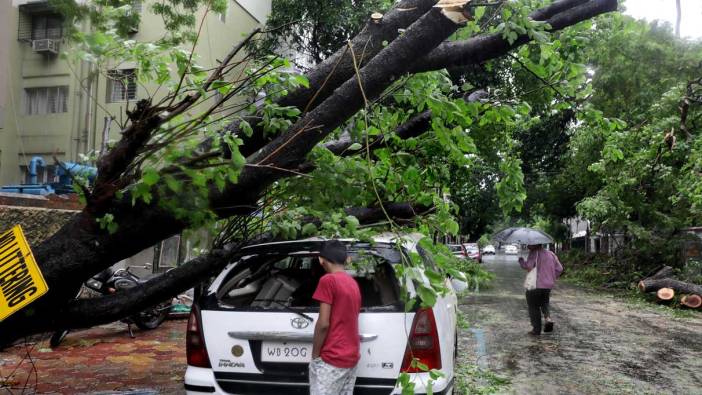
(52, 108)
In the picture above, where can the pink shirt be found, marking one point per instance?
(549, 267)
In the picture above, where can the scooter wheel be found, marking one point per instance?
(152, 318)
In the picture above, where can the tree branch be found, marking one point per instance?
(482, 48)
(338, 68)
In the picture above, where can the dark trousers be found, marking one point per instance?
(537, 300)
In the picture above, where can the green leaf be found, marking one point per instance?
(426, 295)
(309, 229)
(150, 177)
(173, 184)
(479, 12)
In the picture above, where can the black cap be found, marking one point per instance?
(333, 251)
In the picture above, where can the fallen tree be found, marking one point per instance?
(653, 285)
(339, 89)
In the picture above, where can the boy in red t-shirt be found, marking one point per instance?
(336, 344)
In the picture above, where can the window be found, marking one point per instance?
(223, 16)
(121, 85)
(47, 26)
(46, 100)
(137, 7)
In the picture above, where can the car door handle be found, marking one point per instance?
(367, 337)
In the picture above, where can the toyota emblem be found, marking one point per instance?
(299, 323)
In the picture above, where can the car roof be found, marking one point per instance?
(312, 244)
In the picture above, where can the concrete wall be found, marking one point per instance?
(37, 223)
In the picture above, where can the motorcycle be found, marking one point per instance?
(111, 281)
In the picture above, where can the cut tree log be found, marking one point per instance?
(653, 285)
(693, 301)
(663, 272)
(665, 294)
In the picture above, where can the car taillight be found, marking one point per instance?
(195, 342)
(423, 343)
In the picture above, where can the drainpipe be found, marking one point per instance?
(95, 109)
(88, 111)
(36, 161)
(77, 114)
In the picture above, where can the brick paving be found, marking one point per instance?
(101, 360)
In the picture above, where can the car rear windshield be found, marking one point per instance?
(284, 281)
(455, 248)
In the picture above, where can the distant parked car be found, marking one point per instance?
(458, 250)
(473, 252)
(511, 249)
(489, 250)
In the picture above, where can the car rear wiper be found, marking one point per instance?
(287, 308)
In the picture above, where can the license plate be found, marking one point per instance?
(291, 352)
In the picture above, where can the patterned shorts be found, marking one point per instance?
(326, 379)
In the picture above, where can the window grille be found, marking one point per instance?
(122, 85)
(46, 100)
(47, 26)
(39, 20)
(137, 6)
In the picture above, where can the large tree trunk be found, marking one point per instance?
(665, 271)
(81, 249)
(653, 285)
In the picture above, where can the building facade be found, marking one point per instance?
(52, 108)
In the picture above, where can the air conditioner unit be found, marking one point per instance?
(46, 45)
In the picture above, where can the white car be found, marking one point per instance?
(251, 331)
(511, 249)
(489, 250)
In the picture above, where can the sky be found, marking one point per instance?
(691, 23)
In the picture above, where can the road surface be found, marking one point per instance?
(602, 344)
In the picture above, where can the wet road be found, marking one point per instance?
(601, 345)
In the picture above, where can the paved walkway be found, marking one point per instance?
(601, 345)
(99, 360)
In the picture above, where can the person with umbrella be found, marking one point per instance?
(543, 268)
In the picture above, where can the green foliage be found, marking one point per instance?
(473, 380)
(106, 222)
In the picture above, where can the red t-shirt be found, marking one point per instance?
(342, 346)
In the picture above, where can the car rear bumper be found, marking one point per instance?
(200, 381)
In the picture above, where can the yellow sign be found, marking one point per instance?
(21, 282)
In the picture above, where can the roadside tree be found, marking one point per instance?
(343, 145)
